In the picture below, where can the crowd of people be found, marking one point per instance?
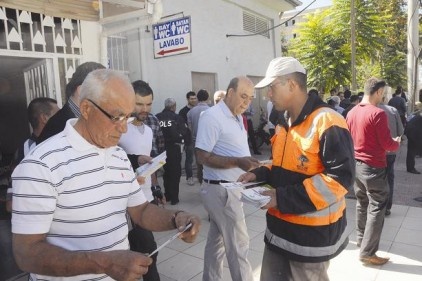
(81, 212)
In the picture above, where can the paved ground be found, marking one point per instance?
(400, 238)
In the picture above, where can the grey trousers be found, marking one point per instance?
(371, 190)
(227, 236)
(276, 267)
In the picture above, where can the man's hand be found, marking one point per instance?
(247, 163)
(183, 219)
(126, 265)
(397, 139)
(143, 159)
(247, 177)
(273, 201)
(140, 179)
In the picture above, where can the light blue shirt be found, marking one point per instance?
(222, 133)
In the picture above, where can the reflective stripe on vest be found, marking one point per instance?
(302, 156)
(305, 250)
(322, 217)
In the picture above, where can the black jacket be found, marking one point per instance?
(174, 128)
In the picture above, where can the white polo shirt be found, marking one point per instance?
(224, 134)
(77, 194)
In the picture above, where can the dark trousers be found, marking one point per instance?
(189, 149)
(251, 136)
(172, 172)
(371, 192)
(412, 151)
(199, 172)
(142, 241)
(276, 267)
(8, 266)
(391, 158)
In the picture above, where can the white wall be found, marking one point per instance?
(90, 33)
(211, 52)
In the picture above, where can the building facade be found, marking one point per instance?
(176, 46)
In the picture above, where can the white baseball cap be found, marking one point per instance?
(278, 67)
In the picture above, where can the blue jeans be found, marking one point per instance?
(391, 158)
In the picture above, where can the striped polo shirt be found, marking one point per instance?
(77, 194)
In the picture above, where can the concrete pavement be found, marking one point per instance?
(401, 238)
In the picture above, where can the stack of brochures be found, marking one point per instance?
(254, 197)
(155, 164)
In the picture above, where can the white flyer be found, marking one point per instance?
(237, 184)
(149, 168)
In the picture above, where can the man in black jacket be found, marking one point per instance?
(70, 110)
(176, 134)
(413, 132)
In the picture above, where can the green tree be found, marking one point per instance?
(323, 43)
(393, 54)
(371, 25)
(320, 52)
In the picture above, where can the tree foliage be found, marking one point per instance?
(323, 43)
(320, 52)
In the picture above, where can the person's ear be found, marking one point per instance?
(43, 118)
(292, 84)
(85, 108)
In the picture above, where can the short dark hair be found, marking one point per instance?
(373, 84)
(79, 76)
(233, 84)
(37, 106)
(190, 94)
(142, 88)
(347, 94)
(313, 92)
(354, 98)
(299, 77)
(202, 95)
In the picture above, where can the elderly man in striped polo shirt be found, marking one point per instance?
(72, 192)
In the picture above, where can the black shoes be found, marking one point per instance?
(387, 212)
(414, 171)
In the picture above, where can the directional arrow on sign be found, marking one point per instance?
(163, 52)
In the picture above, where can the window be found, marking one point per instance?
(117, 50)
(256, 24)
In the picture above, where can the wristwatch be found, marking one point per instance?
(173, 218)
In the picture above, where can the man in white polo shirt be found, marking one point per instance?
(222, 148)
(72, 192)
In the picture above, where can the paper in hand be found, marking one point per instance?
(187, 227)
(155, 164)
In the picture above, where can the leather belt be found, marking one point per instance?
(215, 181)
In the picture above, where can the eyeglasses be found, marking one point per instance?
(114, 119)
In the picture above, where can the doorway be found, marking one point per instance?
(15, 94)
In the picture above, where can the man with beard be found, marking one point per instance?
(137, 142)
